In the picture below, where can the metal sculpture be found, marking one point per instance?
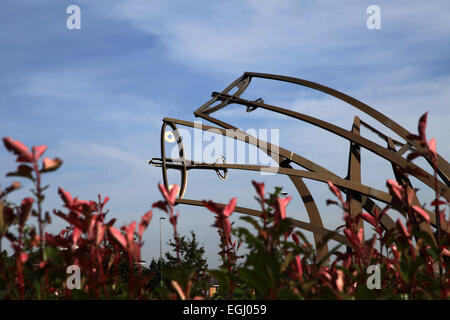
(359, 196)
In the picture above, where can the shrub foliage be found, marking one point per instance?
(279, 262)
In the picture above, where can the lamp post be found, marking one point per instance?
(160, 249)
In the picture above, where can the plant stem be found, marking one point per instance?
(438, 214)
(39, 198)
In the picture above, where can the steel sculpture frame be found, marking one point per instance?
(359, 196)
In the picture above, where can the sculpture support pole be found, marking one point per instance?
(354, 175)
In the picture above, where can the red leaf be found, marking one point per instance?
(25, 209)
(402, 229)
(446, 252)
(432, 146)
(396, 252)
(259, 186)
(226, 227)
(355, 239)
(413, 137)
(38, 151)
(173, 192)
(145, 221)
(76, 235)
(65, 196)
(422, 128)
(412, 156)
(51, 164)
(395, 189)
(129, 231)
(340, 280)
(161, 205)
(171, 195)
(24, 171)
(369, 218)
(105, 201)
(173, 219)
(212, 206)
(295, 238)
(335, 190)
(282, 203)
(100, 232)
(325, 275)
(298, 263)
(422, 213)
(439, 202)
(118, 236)
(23, 257)
(360, 235)
(19, 149)
(74, 219)
(329, 202)
(229, 208)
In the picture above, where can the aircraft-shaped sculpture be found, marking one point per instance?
(359, 196)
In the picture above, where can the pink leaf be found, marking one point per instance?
(226, 228)
(402, 229)
(51, 164)
(282, 203)
(298, 263)
(19, 149)
(25, 208)
(432, 146)
(100, 232)
(118, 236)
(229, 208)
(65, 196)
(105, 201)
(360, 235)
(173, 192)
(169, 196)
(23, 257)
(259, 186)
(129, 231)
(369, 218)
(212, 206)
(395, 189)
(335, 190)
(145, 221)
(446, 252)
(76, 235)
(422, 213)
(340, 280)
(38, 151)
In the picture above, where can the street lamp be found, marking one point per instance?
(160, 248)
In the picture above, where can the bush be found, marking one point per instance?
(279, 264)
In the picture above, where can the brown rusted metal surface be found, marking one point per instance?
(299, 224)
(354, 174)
(361, 197)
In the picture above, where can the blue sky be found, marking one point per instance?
(96, 96)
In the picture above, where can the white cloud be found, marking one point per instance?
(281, 35)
